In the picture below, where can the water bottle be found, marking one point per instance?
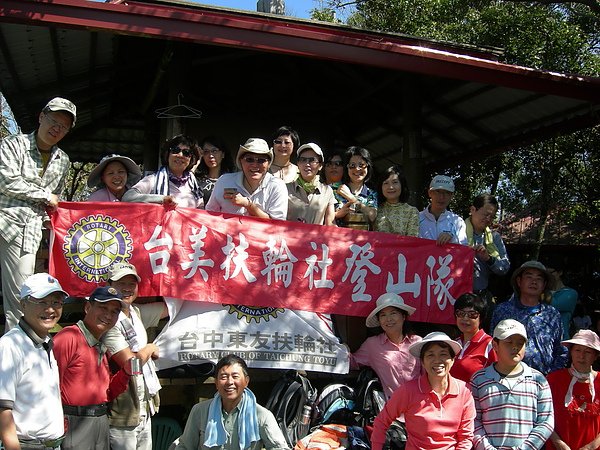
(306, 413)
(304, 426)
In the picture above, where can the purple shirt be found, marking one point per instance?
(393, 363)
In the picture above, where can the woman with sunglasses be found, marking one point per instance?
(174, 183)
(252, 191)
(354, 196)
(334, 169)
(309, 200)
(394, 215)
(285, 141)
(215, 162)
(477, 352)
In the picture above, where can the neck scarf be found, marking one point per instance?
(308, 186)
(163, 177)
(247, 422)
(578, 376)
(488, 239)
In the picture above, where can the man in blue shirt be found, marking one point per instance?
(529, 305)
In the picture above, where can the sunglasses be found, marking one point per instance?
(334, 164)
(354, 166)
(251, 160)
(185, 152)
(212, 151)
(468, 314)
(308, 159)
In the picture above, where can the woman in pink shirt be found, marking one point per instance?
(438, 409)
(387, 353)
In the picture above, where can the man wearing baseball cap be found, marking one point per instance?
(31, 414)
(512, 400)
(435, 221)
(33, 171)
(86, 383)
(530, 305)
(252, 191)
(131, 412)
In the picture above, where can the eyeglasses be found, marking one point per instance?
(281, 142)
(309, 160)
(334, 163)
(468, 314)
(359, 165)
(212, 151)
(184, 151)
(45, 305)
(251, 160)
(54, 123)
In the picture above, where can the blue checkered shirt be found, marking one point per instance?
(25, 190)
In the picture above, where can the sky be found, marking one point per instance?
(294, 8)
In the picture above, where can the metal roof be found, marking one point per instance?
(250, 73)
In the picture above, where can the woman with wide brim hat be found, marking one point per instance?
(173, 184)
(112, 177)
(252, 191)
(438, 409)
(387, 353)
(576, 396)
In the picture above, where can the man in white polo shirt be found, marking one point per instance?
(31, 414)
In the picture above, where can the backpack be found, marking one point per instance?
(289, 396)
(370, 398)
(335, 404)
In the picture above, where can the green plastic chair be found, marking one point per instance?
(164, 431)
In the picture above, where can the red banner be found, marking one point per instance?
(202, 256)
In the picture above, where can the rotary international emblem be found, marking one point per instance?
(95, 242)
(254, 314)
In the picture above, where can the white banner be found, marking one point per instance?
(269, 338)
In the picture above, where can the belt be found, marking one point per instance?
(36, 444)
(88, 410)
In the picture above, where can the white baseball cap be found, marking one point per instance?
(40, 285)
(507, 327)
(442, 182)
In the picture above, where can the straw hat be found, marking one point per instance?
(254, 145)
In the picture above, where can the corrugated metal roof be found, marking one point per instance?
(250, 73)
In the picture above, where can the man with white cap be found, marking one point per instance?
(86, 382)
(31, 414)
(512, 400)
(252, 191)
(529, 305)
(131, 412)
(435, 221)
(33, 171)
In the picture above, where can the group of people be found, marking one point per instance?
(518, 379)
(505, 391)
(58, 391)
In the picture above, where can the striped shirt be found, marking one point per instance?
(512, 412)
(25, 188)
